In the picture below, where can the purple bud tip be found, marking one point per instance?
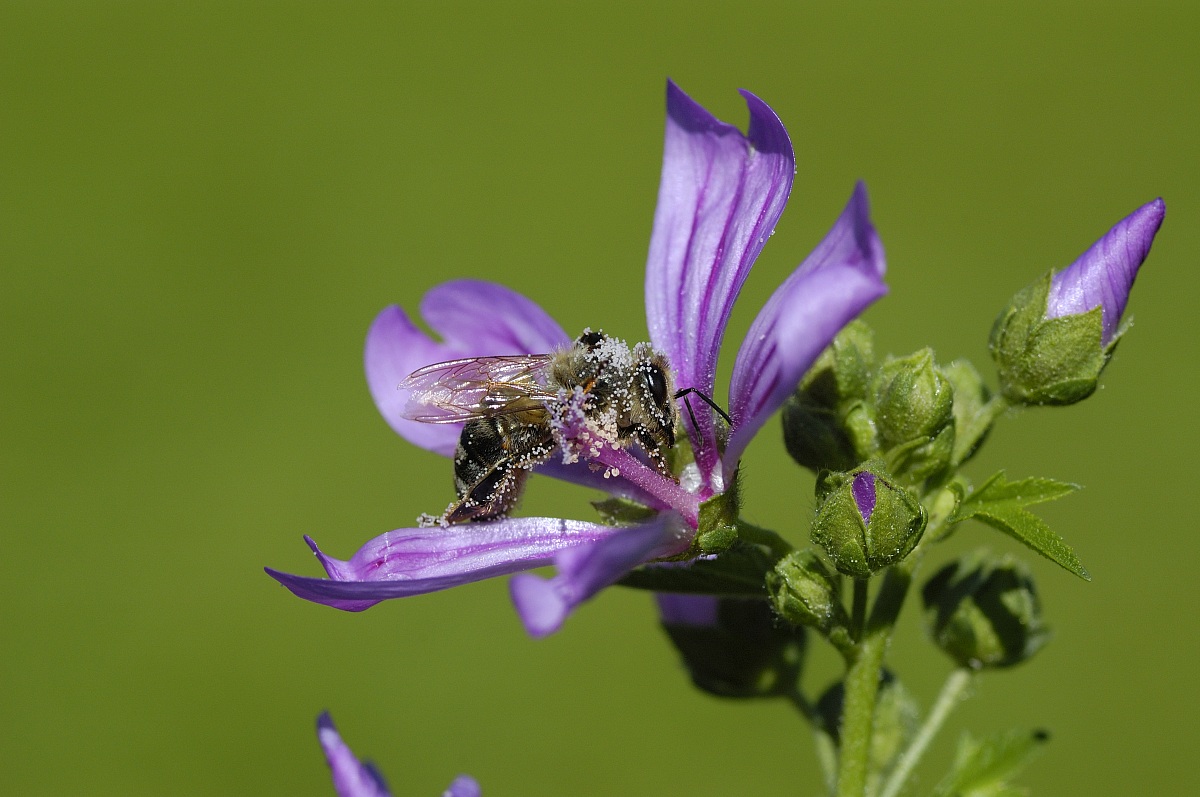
(864, 494)
(1104, 274)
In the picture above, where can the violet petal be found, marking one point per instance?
(835, 283)
(1104, 274)
(677, 608)
(584, 570)
(474, 319)
(719, 198)
(351, 777)
(415, 561)
(863, 490)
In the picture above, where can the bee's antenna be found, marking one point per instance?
(687, 390)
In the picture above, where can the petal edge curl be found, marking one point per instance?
(416, 561)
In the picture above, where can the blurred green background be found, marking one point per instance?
(203, 206)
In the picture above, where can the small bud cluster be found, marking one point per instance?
(887, 439)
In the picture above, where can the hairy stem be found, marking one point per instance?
(862, 679)
(858, 616)
(858, 713)
(953, 691)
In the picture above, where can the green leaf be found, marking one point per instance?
(984, 767)
(1001, 505)
(739, 572)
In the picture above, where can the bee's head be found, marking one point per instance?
(653, 388)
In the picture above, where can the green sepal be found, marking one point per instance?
(717, 529)
(944, 505)
(975, 409)
(984, 767)
(1000, 504)
(1047, 360)
(738, 572)
(746, 653)
(621, 511)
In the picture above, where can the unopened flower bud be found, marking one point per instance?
(733, 647)
(983, 611)
(913, 399)
(1056, 336)
(915, 415)
(867, 523)
(821, 420)
(804, 592)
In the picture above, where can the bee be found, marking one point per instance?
(629, 397)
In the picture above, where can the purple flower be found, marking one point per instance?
(353, 778)
(1104, 274)
(719, 199)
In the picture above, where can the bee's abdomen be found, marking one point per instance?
(493, 457)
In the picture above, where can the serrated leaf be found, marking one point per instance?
(1025, 492)
(984, 767)
(1000, 504)
(739, 572)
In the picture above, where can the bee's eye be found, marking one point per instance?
(656, 383)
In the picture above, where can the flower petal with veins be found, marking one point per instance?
(416, 561)
(835, 283)
(1104, 274)
(544, 604)
(719, 198)
(475, 319)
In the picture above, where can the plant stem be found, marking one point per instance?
(862, 679)
(858, 617)
(952, 692)
(858, 713)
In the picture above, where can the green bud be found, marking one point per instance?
(814, 435)
(817, 429)
(733, 647)
(915, 415)
(983, 611)
(804, 592)
(866, 522)
(1047, 360)
(914, 399)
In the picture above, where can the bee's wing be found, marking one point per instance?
(459, 390)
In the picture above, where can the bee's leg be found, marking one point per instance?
(492, 496)
(492, 461)
(653, 450)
